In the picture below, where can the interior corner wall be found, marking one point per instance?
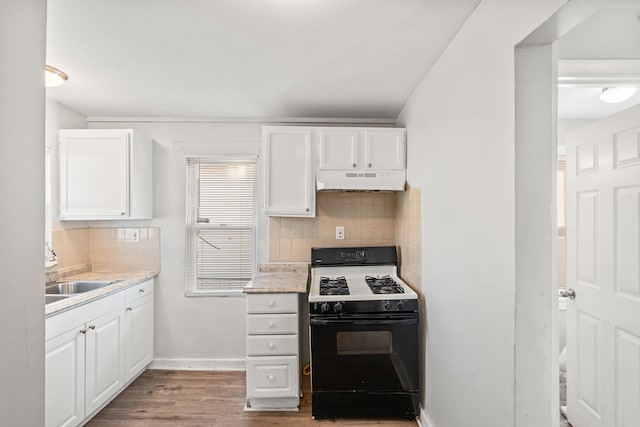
(460, 129)
(22, 46)
(190, 332)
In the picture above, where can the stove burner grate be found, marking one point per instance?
(334, 286)
(383, 285)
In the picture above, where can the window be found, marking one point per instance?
(221, 225)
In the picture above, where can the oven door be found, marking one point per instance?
(373, 353)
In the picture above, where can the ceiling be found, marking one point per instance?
(251, 59)
(608, 45)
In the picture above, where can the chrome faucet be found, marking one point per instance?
(49, 254)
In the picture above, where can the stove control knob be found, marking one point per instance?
(399, 306)
(324, 307)
(387, 306)
(337, 307)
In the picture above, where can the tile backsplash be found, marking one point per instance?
(108, 249)
(369, 219)
(409, 235)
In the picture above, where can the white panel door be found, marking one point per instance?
(603, 267)
(104, 359)
(64, 378)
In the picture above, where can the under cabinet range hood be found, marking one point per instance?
(360, 180)
(364, 159)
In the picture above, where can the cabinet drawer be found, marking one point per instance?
(138, 291)
(268, 345)
(272, 303)
(267, 324)
(272, 376)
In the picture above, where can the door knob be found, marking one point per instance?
(570, 293)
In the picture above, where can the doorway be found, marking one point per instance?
(537, 315)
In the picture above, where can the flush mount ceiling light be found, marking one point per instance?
(54, 77)
(614, 95)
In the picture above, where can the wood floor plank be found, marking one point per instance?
(205, 398)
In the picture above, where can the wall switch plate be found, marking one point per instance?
(340, 232)
(135, 234)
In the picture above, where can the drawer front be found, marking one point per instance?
(272, 377)
(272, 303)
(269, 345)
(138, 291)
(267, 324)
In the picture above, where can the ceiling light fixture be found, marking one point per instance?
(54, 77)
(614, 95)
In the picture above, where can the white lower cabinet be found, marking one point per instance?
(273, 380)
(104, 357)
(64, 382)
(93, 351)
(138, 323)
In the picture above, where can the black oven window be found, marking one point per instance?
(363, 342)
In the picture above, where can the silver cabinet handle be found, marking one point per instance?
(570, 293)
(83, 331)
(141, 291)
(354, 165)
(129, 309)
(92, 327)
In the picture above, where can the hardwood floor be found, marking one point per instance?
(205, 398)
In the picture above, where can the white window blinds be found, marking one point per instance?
(220, 226)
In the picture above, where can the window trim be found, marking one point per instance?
(190, 227)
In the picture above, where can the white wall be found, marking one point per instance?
(200, 332)
(460, 123)
(608, 34)
(22, 50)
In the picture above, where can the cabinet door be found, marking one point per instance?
(104, 359)
(289, 183)
(338, 149)
(275, 376)
(138, 348)
(64, 378)
(384, 149)
(94, 174)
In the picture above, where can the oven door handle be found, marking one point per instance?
(350, 321)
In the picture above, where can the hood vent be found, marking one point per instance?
(360, 181)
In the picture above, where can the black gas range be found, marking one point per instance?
(364, 335)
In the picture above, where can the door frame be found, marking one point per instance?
(536, 370)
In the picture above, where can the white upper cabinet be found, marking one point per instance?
(289, 173)
(371, 149)
(384, 149)
(338, 148)
(365, 159)
(105, 174)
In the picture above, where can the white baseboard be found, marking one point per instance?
(423, 420)
(199, 364)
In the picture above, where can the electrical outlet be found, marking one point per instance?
(135, 235)
(339, 232)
